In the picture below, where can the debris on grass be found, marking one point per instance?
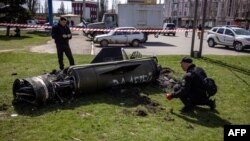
(126, 112)
(168, 117)
(141, 111)
(83, 114)
(76, 139)
(14, 73)
(190, 126)
(3, 115)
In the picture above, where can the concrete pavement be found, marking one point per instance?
(163, 45)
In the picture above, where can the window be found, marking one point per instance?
(135, 32)
(118, 33)
(215, 29)
(229, 32)
(220, 31)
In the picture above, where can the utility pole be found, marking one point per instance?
(98, 9)
(194, 28)
(50, 6)
(83, 8)
(203, 25)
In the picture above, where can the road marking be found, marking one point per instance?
(92, 49)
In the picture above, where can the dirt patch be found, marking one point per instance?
(141, 111)
(169, 116)
(144, 104)
(3, 111)
(4, 107)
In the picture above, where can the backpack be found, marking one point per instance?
(209, 83)
(210, 86)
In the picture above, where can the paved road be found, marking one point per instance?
(163, 45)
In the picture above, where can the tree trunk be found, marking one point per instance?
(8, 31)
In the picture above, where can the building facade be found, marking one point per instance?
(141, 1)
(87, 10)
(218, 12)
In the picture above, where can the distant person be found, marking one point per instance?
(62, 34)
(247, 26)
(191, 91)
(186, 30)
(67, 22)
(72, 23)
(199, 31)
(18, 32)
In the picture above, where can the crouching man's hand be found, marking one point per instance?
(169, 96)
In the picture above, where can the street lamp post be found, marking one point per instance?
(50, 12)
(194, 27)
(203, 24)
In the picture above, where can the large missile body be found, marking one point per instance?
(84, 79)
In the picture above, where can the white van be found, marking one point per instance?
(170, 27)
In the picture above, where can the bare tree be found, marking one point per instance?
(46, 9)
(103, 8)
(32, 6)
(61, 10)
(116, 4)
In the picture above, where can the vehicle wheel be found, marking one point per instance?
(211, 42)
(145, 38)
(168, 34)
(96, 33)
(173, 34)
(238, 46)
(135, 43)
(104, 43)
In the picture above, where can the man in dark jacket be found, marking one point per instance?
(62, 34)
(191, 91)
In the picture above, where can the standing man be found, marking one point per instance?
(199, 31)
(62, 34)
(191, 91)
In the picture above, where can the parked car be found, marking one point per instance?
(170, 27)
(236, 37)
(120, 35)
(32, 22)
(47, 24)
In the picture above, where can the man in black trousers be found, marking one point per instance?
(191, 91)
(62, 34)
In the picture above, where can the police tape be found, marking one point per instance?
(96, 29)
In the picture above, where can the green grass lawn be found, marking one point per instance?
(27, 38)
(102, 117)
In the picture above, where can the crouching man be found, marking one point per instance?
(191, 91)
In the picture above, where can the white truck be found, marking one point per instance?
(144, 17)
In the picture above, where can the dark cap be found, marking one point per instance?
(186, 60)
(63, 19)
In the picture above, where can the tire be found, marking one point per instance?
(104, 43)
(211, 42)
(238, 46)
(135, 43)
(173, 34)
(145, 38)
(96, 33)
